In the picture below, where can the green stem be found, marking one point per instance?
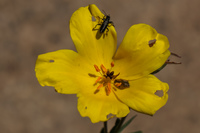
(120, 124)
(105, 127)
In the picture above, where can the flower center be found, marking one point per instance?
(108, 79)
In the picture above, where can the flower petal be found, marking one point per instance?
(100, 107)
(62, 69)
(90, 43)
(136, 57)
(141, 95)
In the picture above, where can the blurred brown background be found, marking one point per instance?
(32, 27)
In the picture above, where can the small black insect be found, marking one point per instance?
(105, 23)
(121, 83)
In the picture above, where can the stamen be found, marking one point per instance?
(97, 68)
(101, 85)
(98, 79)
(112, 64)
(103, 69)
(106, 79)
(117, 84)
(115, 76)
(108, 89)
(98, 88)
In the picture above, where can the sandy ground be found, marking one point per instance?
(32, 27)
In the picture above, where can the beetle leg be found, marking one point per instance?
(95, 27)
(111, 23)
(99, 19)
(107, 31)
(104, 17)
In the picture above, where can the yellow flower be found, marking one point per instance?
(107, 84)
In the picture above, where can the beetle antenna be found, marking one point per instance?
(104, 12)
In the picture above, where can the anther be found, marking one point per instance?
(118, 84)
(97, 68)
(98, 88)
(101, 85)
(112, 64)
(104, 70)
(98, 79)
(108, 89)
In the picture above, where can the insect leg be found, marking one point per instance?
(95, 27)
(111, 23)
(107, 31)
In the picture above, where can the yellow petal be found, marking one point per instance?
(62, 69)
(99, 106)
(90, 44)
(141, 95)
(135, 58)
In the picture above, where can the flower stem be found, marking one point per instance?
(105, 127)
(120, 124)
